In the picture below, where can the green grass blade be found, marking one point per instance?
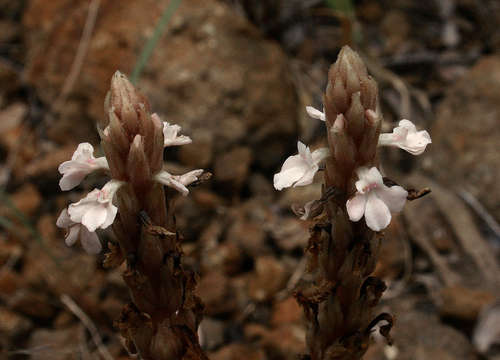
(151, 44)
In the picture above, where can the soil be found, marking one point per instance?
(237, 75)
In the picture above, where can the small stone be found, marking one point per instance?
(63, 320)
(463, 303)
(270, 277)
(10, 118)
(34, 304)
(234, 165)
(289, 233)
(250, 236)
(287, 311)
(238, 352)
(255, 331)
(211, 333)
(227, 257)
(287, 341)
(10, 281)
(213, 289)
(199, 153)
(27, 199)
(61, 344)
(12, 324)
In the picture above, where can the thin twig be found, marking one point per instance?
(87, 322)
(83, 46)
(480, 211)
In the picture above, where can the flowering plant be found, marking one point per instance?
(163, 320)
(342, 250)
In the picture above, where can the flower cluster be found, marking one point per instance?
(373, 199)
(96, 210)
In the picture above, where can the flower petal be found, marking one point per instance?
(356, 207)
(64, 221)
(72, 235)
(287, 178)
(308, 177)
(189, 177)
(95, 217)
(394, 197)
(77, 210)
(111, 212)
(319, 154)
(368, 178)
(407, 124)
(377, 214)
(305, 153)
(167, 179)
(90, 241)
(170, 137)
(315, 113)
(71, 180)
(83, 152)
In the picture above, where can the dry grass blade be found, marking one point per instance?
(83, 46)
(89, 325)
(462, 223)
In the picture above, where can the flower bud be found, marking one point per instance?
(356, 116)
(117, 134)
(348, 76)
(137, 164)
(344, 149)
(369, 141)
(125, 100)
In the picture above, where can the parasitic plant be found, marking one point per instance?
(162, 319)
(342, 250)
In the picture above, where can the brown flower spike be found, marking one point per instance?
(162, 320)
(342, 251)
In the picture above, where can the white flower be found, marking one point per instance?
(81, 164)
(315, 113)
(374, 200)
(170, 137)
(178, 182)
(299, 170)
(96, 210)
(406, 137)
(74, 231)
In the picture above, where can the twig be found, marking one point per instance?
(87, 322)
(480, 211)
(421, 238)
(84, 350)
(77, 64)
(460, 219)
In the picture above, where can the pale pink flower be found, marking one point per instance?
(315, 113)
(178, 182)
(96, 210)
(74, 231)
(374, 199)
(170, 134)
(299, 170)
(406, 137)
(81, 164)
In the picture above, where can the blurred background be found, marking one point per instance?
(237, 75)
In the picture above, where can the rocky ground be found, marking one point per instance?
(236, 75)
